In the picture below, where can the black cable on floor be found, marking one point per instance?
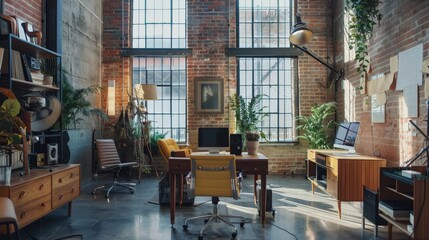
(285, 230)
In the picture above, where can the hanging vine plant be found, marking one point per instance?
(363, 16)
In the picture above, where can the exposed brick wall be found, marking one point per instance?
(27, 10)
(208, 36)
(404, 25)
(114, 66)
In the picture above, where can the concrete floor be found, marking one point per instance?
(298, 215)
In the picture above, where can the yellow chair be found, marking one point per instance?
(215, 176)
(168, 148)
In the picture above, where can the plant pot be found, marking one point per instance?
(252, 147)
(48, 80)
(5, 172)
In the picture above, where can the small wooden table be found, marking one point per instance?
(248, 164)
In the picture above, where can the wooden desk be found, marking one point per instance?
(42, 191)
(248, 164)
(342, 174)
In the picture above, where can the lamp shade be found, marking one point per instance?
(146, 91)
(300, 34)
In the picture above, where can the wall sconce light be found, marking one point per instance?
(111, 98)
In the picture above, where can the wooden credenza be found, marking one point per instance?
(342, 174)
(42, 191)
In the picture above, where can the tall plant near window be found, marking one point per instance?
(363, 16)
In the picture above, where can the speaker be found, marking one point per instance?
(235, 144)
(52, 153)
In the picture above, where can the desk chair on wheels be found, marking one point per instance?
(215, 176)
(108, 160)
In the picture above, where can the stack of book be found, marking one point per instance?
(398, 210)
(37, 76)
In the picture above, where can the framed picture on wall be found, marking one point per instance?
(209, 95)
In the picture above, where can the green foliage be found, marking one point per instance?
(364, 15)
(314, 127)
(154, 139)
(252, 136)
(49, 66)
(76, 106)
(9, 120)
(248, 115)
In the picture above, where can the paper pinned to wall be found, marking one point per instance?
(409, 72)
(425, 66)
(377, 85)
(378, 108)
(409, 101)
(394, 64)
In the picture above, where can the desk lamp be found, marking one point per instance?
(301, 35)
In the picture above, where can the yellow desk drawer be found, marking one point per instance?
(33, 210)
(23, 194)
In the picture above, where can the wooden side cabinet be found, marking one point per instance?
(342, 174)
(42, 191)
(414, 191)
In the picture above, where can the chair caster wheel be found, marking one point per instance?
(93, 192)
(132, 191)
(200, 237)
(206, 221)
(242, 224)
(185, 227)
(234, 235)
(106, 196)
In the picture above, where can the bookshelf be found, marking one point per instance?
(18, 62)
(414, 191)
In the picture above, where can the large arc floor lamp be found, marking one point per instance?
(301, 35)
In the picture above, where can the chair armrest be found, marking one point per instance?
(180, 153)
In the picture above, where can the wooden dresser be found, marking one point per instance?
(42, 191)
(342, 174)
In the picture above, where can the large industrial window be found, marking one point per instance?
(266, 24)
(161, 24)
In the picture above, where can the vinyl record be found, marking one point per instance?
(47, 116)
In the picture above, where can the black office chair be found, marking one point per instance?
(108, 160)
(370, 209)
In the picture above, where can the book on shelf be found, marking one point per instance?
(398, 210)
(37, 77)
(26, 68)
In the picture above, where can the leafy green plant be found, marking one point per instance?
(314, 127)
(249, 115)
(49, 66)
(252, 136)
(10, 122)
(363, 16)
(154, 139)
(76, 106)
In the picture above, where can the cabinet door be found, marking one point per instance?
(65, 186)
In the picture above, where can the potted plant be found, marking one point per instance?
(12, 130)
(314, 128)
(252, 142)
(48, 68)
(76, 106)
(248, 116)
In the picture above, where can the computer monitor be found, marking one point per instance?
(213, 139)
(345, 137)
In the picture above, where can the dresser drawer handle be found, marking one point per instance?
(72, 190)
(61, 196)
(21, 194)
(43, 204)
(71, 175)
(22, 215)
(41, 186)
(60, 180)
